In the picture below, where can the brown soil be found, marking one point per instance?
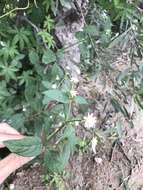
(29, 178)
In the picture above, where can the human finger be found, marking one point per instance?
(11, 163)
(5, 128)
(8, 133)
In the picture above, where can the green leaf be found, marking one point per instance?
(30, 90)
(91, 30)
(80, 100)
(21, 37)
(56, 71)
(28, 146)
(48, 57)
(9, 71)
(56, 95)
(34, 58)
(51, 161)
(8, 50)
(4, 94)
(17, 121)
(57, 160)
(46, 84)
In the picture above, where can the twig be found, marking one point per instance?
(16, 9)
(24, 18)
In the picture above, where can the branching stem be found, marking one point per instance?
(15, 9)
(60, 128)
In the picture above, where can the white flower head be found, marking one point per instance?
(62, 115)
(108, 31)
(11, 186)
(98, 160)
(76, 123)
(54, 86)
(24, 109)
(134, 27)
(74, 80)
(68, 68)
(60, 124)
(117, 34)
(94, 142)
(104, 14)
(2, 43)
(57, 77)
(73, 93)
(90, 121)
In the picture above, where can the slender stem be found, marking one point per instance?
(35, 2)
(55, 132)
(60, 83)
(15, 9)
(30, 23)
(60, 128)
(69, 110)
(66, 48)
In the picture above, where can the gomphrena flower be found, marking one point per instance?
(90, 121)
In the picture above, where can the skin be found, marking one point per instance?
(13, 161)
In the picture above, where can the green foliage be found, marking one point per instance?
(48, 57)
(21, 37)
(56, 95)
(28, 146)
(34, 57)
(57, 160)
(47, 38)
(36, 94)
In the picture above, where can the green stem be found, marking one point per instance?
(69, 110)
(60, 128)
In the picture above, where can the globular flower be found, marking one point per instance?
(90, 121)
